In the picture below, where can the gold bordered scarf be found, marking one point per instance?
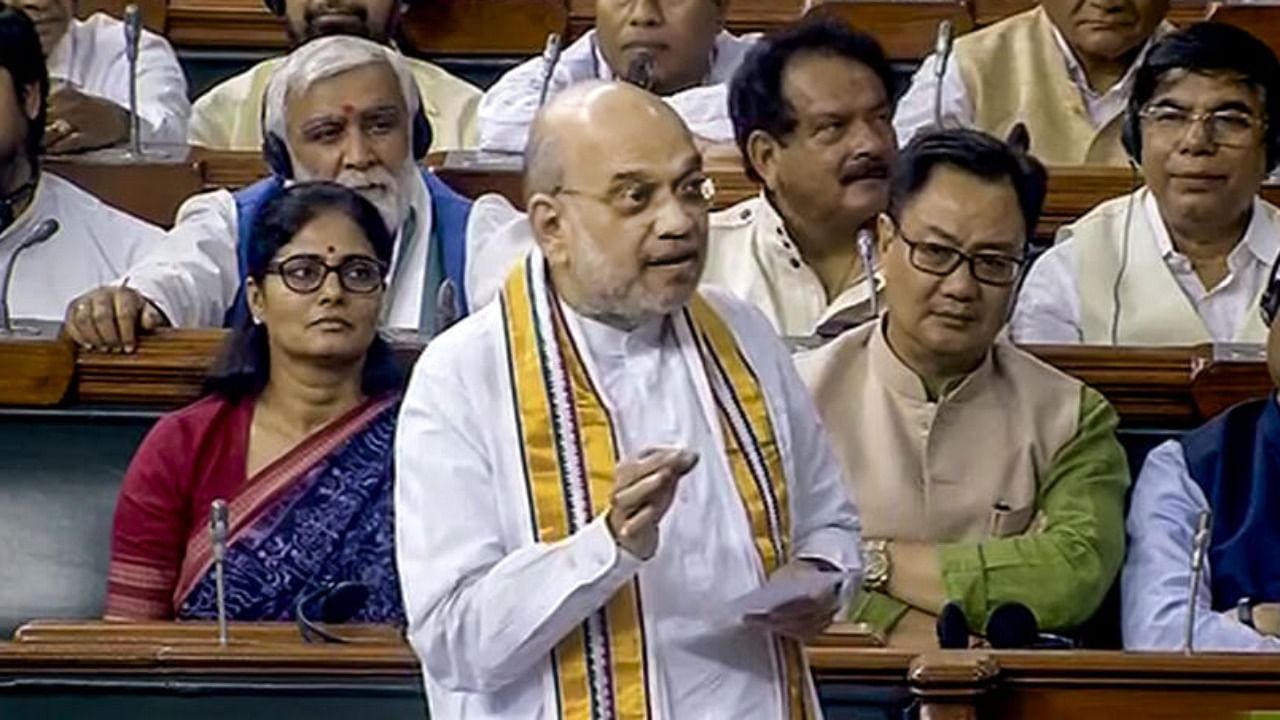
(569, 452)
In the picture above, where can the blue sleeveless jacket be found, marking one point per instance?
(449, 214)
(1235, 459)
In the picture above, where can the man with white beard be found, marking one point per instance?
(342, 109)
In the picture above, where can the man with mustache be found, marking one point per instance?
(678, 49)
(89, 72)
(339, 108)
(590, 472)
(811, 109)
(229, 116)
(1063, 69)
(1183, 260)
(984, 476)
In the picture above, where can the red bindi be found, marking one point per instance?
(348, 109)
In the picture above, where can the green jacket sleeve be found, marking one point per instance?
(1062, 570)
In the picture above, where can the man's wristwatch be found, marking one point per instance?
(875, 565)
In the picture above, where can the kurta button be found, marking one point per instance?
(795, 263)
(746, 214)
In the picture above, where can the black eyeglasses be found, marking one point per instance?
(990, 268)
(305, 274)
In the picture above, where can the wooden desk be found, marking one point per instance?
(484, 27)
(907, 29)
(1166, 388)
(1074, 685)
(152, 191)
(1262, 19)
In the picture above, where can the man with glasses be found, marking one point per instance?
(1184, 259)
(592, 473)
(983, 476)
(677, 49)
(343, 109)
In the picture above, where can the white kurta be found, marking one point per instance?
(193, 279)
(751, 254)
(95, 245)
(91, 57)
(487, 604)
(1049, 304)
(507, 109)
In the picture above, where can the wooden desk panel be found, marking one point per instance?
(484, 27)
(241, 24)
(907, 29)
(1261, 19)
(1168, 388)
(154, 12)
(151, 191)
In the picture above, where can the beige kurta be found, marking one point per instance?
(1015, 473)
(229, 116)
(751, 255)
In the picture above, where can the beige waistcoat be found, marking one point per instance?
(934, 471)
(1154, 310)
(1014, 72)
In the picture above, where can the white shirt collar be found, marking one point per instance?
(606, 341)
(1260, 239)
(1081, 80)
(60, 60)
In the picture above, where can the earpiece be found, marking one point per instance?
(1131, 133)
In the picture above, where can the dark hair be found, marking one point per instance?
(243, 367)
(973, 152)
(756, 100)
(21, 55)
(1211, 47)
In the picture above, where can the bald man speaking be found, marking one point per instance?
(595, 473)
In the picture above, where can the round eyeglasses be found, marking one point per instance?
(305, 274)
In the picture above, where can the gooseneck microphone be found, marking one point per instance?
(640, 71)
(132, 39)
(550, 58)
(339, 602)
(867, 251)
(942, 54)
(218, 521)
(43, 231)
(1199, 546)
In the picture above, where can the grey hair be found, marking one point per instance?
(322, 59)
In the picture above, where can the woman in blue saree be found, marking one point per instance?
(295, 436)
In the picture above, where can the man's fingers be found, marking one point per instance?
(128, 309)
(104, 320)
(644, 491)
(152, 318)
(80, 316)
(644, 519)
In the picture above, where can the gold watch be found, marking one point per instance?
(875, 565)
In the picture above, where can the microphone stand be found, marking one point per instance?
(867, 249)
(942, 52)
(1200, 544)
(43, 231)
(550, 58)
(132, 38)
(218, 535)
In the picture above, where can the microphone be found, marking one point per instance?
(1012, 626)
(941, 54)
(43, 231)
(218, 521)
(867, 250)
(447, 311)
(952, 628)
(550, 58)
(339, 602)
(640, 71)
(1199, 546)
(132, 38)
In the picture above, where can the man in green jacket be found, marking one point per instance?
(983, 475)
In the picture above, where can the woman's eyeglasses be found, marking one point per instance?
(305, 274)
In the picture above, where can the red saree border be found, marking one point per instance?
(269, 484)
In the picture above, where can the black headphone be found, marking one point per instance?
(1270, 303)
